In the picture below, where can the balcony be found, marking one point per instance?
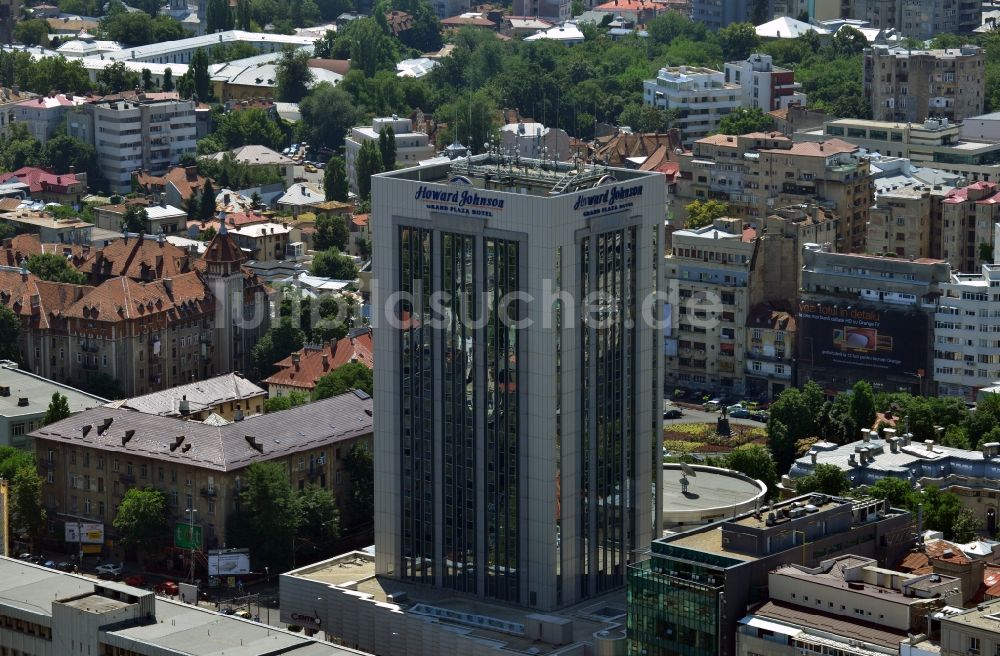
(47, 463)
(210, 492)
(127, 479)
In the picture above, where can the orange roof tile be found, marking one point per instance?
(123, 298)
(140, 258)
(314, 363)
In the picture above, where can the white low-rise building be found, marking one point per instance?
(763, 84)
(700, 95)
(411, 147)
(967, 333)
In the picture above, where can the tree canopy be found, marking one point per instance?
(331, 232)
(335, 179)
(142, 520)
(55, 268)
(744, 120)
(333, 264)
(353, 375)
(702, 213)
(58, 409)
(10, 334)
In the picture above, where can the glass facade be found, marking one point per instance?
(459, 411)
(417, 407)
(501, 444)
(608, 389)
(675, 611)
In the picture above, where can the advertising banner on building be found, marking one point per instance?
(84, 533)
(187, 536)
(231, 562)
(861, 337)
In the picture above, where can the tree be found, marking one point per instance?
(168, 80)
(367, 45)
(331, 232)
(135, 218)
(645, 118)
(387, 147)
(744, 120)
(58, 409)
(243, 15)
(27, 512)
(475, 119)
(116, 77)
(147, 80)
(320, 524)
(849, 41)
(792, 418)
(246, 127)
(367, 164)
(335, 179)
(351, 376)
(738, 41)
(32, 32)
(270, 508)
(360, 467)
(894, 490)
(277, 344)
(286, 402)
(142, 521)
(206, 207)
(328, 112)
(200, 76)
(755, 461)
(293, 75)
(62, 153)
(333, 264)
(826, 479)
(955, 437)
(966, 527)
(940, 509)
(55, 268)
(10, 335)
(218, 16)
(862, 405)
(702, 213)
(12, 459)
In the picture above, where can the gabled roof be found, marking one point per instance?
(301, 194)
(220, 448)
(223, 248)
(199, 395)
(25, 245)
(40, 180)
(140, 258)
(123, 298)
(314, 363)
(35, 300)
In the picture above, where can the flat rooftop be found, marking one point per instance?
(761, 521)
(709, 541)
(39, 392)
(707, 489)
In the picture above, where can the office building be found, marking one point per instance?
(136, 132)
(966, 327)
(971, 630)
(754, 173)
(967, 230)
(846, 605)
(89, 461)
(973, 475)
(481, 427)
(25, 398)
(764, 85)
(710, 269)
(716, 14)
(920, 19)
(50, 613)
(700, 95)
(870, 317)
(910, 86)
(689, 596)
(411, 146)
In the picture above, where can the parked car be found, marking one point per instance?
(136, 581)
(673, 413)
(109, 570)
(49, 563)
(760, 416)
(739, 413)
(228, 611)
(714, 405)
(65, 567)
(245, 614)
(168, 588)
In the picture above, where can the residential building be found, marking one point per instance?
(136, 132)
(142, 258)
(816, 10)
(700, 95)
(910, 86)
(903, 221)
(636, 11)
(91, 460)
(793, 118)
(691, 593)
(935, 143)
(985, 127)
(764, 85)
(177, 186)
(411, 147)
(966, 327)
(263, 241)
(229, 396)
(971, 631)
(300, 371)
(301, 198)
(847, 604)
(864, 316)
(920, 19)
(25, 398)
(43, 115)
(262, 156)
(19, 248)
(782, 235)
(710, 269)
(48, 187)
(770, 350)
(967, 229)
(70, 612)
(756, 172)
(716, 14)
(490, 521)
(784, 27)
(163, 218)
(71, 26)
(970, 474)
(50, 229)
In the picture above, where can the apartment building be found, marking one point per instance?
(863, 316)
(89, 461)
(50, 230)
(263, 241)
(763, 84)
(230, 396)
(971, 631)
(301, 370)
(177, 186)
(136, 132)
(49, 187)
(967, 333)
(910, 86)
(700, 95)
(770, 350)
(689, 596)
(756, 172)
(411, 146)
(43, 115)
(967, 219)
(920, 19)
(716, 14)
(710, 269)
(845, 605)
(903, 222)
(556, 10)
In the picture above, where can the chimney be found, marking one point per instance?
(865, 435)
(326, 362)
(159, 261)
(177, 442)
(22, 402)
(168, 283)
(295, 361)
(894, 444)
(238, 415)
(929, 444)
(185, 405)
(812, 456)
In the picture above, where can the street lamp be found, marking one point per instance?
(191, 511)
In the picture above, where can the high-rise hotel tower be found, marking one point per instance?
(518, 361)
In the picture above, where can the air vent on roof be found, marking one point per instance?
(22, 402)
(255, 443)
(127, 436)
(368, 411)
(4, 390)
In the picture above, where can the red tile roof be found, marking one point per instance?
(35, 300)
(39, 180)
(315, 363)
(123, 298)
(223, 248)
(140, 258)
(24, 246)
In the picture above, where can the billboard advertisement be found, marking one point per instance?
(232, 562)
(861, 337)
(84, 533)
(187, 536)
